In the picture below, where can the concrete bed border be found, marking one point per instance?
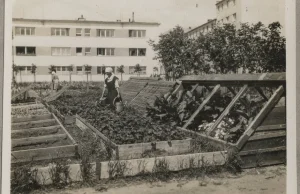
(135, 167)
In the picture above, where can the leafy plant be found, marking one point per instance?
(121, 71)
(33, 71)
(137, 69)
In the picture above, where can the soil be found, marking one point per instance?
(269, 180)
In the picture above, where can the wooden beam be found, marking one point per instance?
(37, 140)
(43, 153)
(207, 99)
(33, 124)
(259, 90)
(245, 103)
(271, 127)
(261, 116)
(175, 91)
(34, 131)
(30, 118)
(195, 87)
(21, 92)
(228, 108)
(64, 129)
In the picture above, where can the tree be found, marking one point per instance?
(173, 51)
(70, 70)
(137, 69)
(155, 70)
(33, 71)
(121, 71)
(15, 70)
(87, 70)
(52, 68)
(21, 68)
(103, 71)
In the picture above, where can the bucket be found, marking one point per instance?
(118, 104)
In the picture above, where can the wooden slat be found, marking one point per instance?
(21, 92)
(263, 157)
(260, 116)
(228, 108)
(31, 118)
(103, 137)
(245, 103)
(265, 143)
(271, 127)
(267, 136)
(34, 124)
(43, 153)
(37, 140)
(259, 90)
(39, 131)
(64, 129)
(207, 99)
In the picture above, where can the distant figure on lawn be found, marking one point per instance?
(111, 84)
(55, 81)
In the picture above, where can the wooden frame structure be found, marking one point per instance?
(261, 136)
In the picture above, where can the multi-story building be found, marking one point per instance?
(249, 11)
(204, 28)
(98, 44)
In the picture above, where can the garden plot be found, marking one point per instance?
(130, 134)
(38, 135)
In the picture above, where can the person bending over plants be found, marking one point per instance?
(111, 84)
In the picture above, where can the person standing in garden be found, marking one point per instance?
(111, 84)
(55, 81)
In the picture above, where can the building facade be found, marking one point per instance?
(203, 29)
(248, 11)
(99, 44)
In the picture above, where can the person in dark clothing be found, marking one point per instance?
(111, 84)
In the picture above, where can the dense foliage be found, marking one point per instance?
(252, 48)
(122, 128)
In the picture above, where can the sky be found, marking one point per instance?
(169, 13)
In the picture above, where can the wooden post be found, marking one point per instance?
(261, 115)
(228, 108)
(216, 88)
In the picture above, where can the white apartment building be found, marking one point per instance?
(204, 28)
(98, 44)
(249, 11)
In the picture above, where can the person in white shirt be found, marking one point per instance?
(111, 84)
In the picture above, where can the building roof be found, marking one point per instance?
(210, 21)
(85, 21)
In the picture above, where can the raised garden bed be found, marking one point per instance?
(39, 137)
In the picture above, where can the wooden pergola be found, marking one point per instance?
(266, 133)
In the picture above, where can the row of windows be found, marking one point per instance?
(225, 5)
(80, 51)
(64, 70)
(197, 32)
(30, 31)
(228, 19)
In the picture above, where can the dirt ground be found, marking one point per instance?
(269, 180)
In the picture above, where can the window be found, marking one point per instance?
(132, 52)
(137, 33)
(101, 69)
(78, 31)
(105, 51)
(87, 32)
(88, 51)
(139, 51)
(61, 51)
(21, 50)
(105, 33)
(25, 31)
(79, 69)
(60, 31)
(79, 51)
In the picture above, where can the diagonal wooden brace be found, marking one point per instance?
(261, 115)
(228, 108)
(216, 88)
(259, 90)
(245, 103)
